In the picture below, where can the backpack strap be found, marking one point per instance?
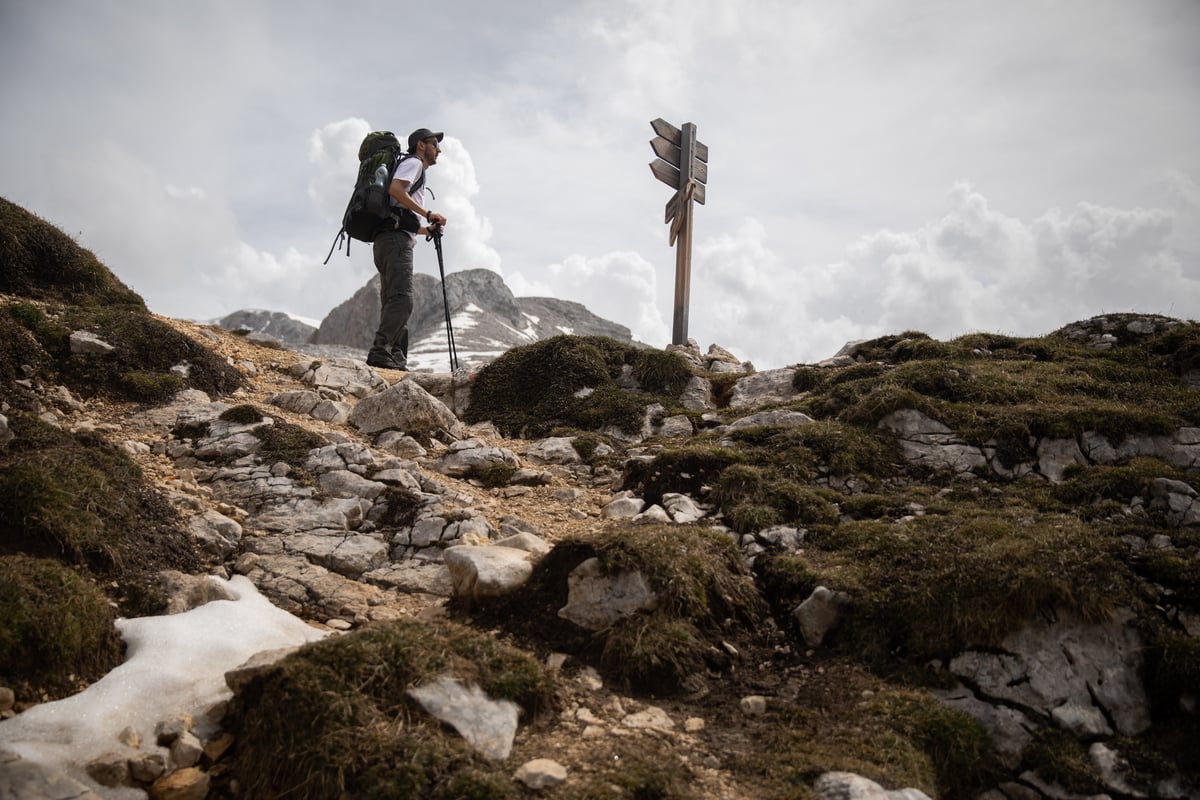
(337, 245)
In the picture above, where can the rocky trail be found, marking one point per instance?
(309, 554)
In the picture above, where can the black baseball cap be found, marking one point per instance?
(422, 133)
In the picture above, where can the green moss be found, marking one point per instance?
(242, 415)
(43, 263)
(366, 737)
(686, 470)
(1088, 484)
(661, 372)
(144, 347)
(495, 474)
(873, 506)
(895, 737)
(565, 380)
(653, 652)
(58, 628)
(18, 350)
(149, 387)
(76, 498)
(1172, 664)
(753, 517)
(785, 581)
(937, 584)
(1060, 759)
(283, 441)
(738, 484)
(705, 596)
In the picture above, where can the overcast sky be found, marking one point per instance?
(874, 167)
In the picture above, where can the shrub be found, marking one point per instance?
(530, 390)
(43, 263)
(366, 737)
(76, 498)
(58, 628)
(661, 372)
(687, 470)
(932, 586)
(705, 596)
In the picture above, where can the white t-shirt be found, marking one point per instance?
(410, 170)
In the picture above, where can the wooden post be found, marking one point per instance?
(683, 255)
(682, 164)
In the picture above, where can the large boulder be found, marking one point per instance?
(407, 407)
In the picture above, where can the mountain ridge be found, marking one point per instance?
(486, 320)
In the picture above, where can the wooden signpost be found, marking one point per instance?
(682, 164)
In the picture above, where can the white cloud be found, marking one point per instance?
(618, 286)
(828, 125)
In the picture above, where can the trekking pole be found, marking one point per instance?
(435, 233)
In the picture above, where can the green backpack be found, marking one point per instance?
(370, 212)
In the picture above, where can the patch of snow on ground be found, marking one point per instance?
(174, 664)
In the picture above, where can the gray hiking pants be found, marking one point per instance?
(394, 260)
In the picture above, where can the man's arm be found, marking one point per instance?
(399, 192)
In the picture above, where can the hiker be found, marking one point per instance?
(394, 250)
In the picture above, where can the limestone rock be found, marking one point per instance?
(185, 592)
(487, 570)
(406, 407)
(554, 450)
(87, 343)
(1067, 661)
(489, 726)
(848, 786)
(541, 773)
(470, 456)
(926, 441)
(819, 614)
(215, 532)
(595, 601)
(763, 388)
(110, 769)
(623, 508)
(778, 419)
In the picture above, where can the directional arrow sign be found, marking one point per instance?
(675, 136)
(665, 172)
(672, 154)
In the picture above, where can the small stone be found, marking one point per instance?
(651, 717)
(541, 773)
(217, 748)
(148, 768)
(594, 732)
(7, 698)
(171, 729)
(590, 679)
(110, 769)
(754, 705)
(186, 750)
(185, 784)
(693, 724)
(130, 737)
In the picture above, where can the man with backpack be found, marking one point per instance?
(394, 249)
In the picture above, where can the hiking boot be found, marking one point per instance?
(382, 362)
